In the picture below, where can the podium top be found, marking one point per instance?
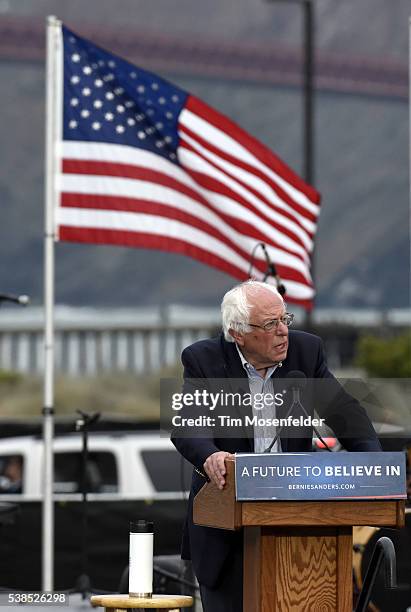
(216, 508)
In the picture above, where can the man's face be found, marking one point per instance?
(264, 348)
(13, 470)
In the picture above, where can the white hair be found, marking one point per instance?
(235, 308)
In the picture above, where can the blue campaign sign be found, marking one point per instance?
(314, 476)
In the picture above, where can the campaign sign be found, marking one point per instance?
(315, 476)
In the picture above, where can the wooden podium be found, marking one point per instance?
(297, 554)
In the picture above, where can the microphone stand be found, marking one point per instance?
(296, 402)
(22, 300)
(83, 582)
(272, 271)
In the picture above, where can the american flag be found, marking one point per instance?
(145, 164)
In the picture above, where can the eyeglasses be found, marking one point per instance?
(286, 319)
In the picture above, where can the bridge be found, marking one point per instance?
(89, 341)
(22, 39)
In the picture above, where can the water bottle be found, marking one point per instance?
(140, 577)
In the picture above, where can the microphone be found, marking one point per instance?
(299, 381)
(271, 270)
(86, 419)
(23, 300)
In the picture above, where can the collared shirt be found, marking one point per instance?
(263, 435)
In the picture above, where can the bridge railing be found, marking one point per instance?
(90, 341)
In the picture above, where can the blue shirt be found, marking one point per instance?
(263, 435)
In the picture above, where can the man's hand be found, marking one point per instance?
(214, 467)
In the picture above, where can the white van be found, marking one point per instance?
(129, 476)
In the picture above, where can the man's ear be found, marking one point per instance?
(237, 336)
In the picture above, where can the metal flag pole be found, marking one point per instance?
(53, 129)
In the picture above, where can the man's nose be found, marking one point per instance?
(281, 328)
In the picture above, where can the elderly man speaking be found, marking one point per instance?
(256, 344)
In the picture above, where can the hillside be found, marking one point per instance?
(362, 252)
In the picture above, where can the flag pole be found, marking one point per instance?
(53, 126)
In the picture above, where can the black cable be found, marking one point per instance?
(175, 577)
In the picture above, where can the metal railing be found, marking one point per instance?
(89, 341)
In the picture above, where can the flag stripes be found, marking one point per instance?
(233, 229)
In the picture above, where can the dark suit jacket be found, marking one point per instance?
(216, 358)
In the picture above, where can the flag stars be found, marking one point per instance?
(110, 101)
(72, 40)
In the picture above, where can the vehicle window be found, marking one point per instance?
(168, 470)
(11, 473)
(101, 473)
